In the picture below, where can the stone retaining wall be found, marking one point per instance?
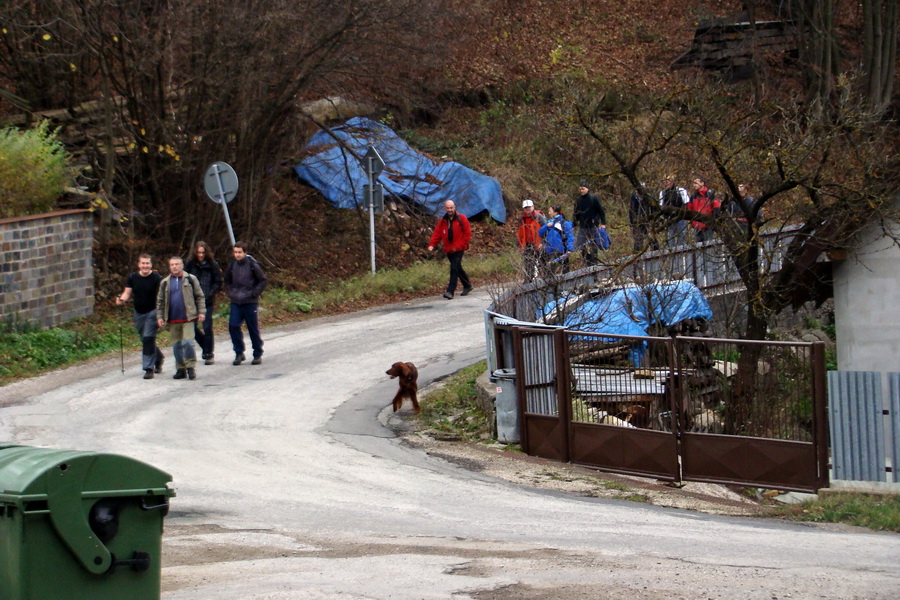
(46, 267)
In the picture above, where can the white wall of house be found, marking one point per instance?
(867, 305)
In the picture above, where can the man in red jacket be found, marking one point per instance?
(453, 231)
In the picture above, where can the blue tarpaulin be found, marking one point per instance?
(336, 173)
(631, 311)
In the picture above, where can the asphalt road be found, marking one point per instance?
(289, 486)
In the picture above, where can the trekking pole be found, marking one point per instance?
(121, 348)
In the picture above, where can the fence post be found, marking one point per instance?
(675, 420)
(563, 390)
(820, 411)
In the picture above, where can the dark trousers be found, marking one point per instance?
(703, 235)
(203, 333)
(642, 234)
(457, 271)
(531, 263)
(245, 313)
(554, 264)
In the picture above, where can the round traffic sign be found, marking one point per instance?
(220, 182)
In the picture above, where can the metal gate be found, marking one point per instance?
(676, 409)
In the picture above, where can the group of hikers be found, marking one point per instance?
(185, 299)
(547, 240)
(184, 303)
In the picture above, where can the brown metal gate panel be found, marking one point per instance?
(545, 438)
(779, 464)
(538, 380)
(679, 409)
(625, 450)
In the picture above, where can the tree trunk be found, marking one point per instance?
(819, 55)
(879, 50)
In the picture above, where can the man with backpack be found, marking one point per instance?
(559, 240)
(455, 233)
(704, 201)
(673, 196)
(179, 304)
(591, 221)
(528, 239)
(244, 282)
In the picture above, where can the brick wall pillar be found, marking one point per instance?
(46, 267)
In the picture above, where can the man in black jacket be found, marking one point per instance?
(590, 219)
(244, 282)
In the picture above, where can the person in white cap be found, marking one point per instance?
(529, 241)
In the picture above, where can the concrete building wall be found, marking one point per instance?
(46, 267)
(866, 302)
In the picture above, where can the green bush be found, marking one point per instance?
(34, 169)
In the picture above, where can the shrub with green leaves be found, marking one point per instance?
(34, 169)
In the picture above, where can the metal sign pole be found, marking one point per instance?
(371, 172)
(224, 204)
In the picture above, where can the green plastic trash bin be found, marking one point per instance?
(79, 525)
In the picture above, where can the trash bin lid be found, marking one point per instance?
(505, 373)
(27, 471)
(57, 482)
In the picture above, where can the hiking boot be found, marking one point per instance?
(159, 364)
(257, 360)
(192, 375)
(466, 291)
(179, 374)
(148, 373)
(209, 360)
(238, 359)
(448, 295)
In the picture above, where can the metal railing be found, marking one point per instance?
(706, 265)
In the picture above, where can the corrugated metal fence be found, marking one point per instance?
(865, 430)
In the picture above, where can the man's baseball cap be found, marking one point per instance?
(527, 203)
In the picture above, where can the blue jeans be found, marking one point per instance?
(677, 234)
(245, 313)
(145, 324)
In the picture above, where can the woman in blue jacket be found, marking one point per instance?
(559, 240)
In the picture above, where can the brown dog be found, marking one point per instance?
(409, 386)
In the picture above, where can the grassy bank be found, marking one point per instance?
(874, 511)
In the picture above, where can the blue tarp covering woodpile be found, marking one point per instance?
(631, 311)
(333, 169)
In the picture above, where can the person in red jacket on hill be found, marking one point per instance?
(453, 231)
(529, 241)
(703, 201)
